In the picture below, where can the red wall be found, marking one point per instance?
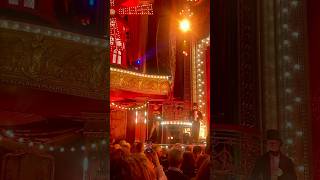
(314, 66)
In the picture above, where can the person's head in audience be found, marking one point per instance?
(188, 164)
(175, 157)
(201, 159)
(138, 147)
(204, 170)
(196, 152)
(130, 166)
(188, 148)
(178, 145)
(125, 146)
(116, 146)
(157, 148)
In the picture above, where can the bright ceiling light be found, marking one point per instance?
(185, 25)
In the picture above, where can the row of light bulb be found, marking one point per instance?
(200, 58)
(289, 108)
(139, 74)
(186, 12)
(128, 108)
(145, 9)
(10, 136)
(176, 123)
(14, 25)
(182, 146)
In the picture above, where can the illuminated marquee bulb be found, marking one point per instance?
(289, 108)
(289, 141)
(285, 10)
(296, 66)
(287, 74)
(41, 146)
(297, 99)
(289, 125)
(300, 168)
(286, 58)
(295, 34)
(294, 3)
(288, 90)
(299, 133)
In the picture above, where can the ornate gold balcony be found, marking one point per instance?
(139, 83)
(53, 60)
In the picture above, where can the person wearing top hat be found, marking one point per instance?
(273, 165)
(196, 117)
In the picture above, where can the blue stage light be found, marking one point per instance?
(91, 2)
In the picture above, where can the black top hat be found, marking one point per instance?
(273, 134)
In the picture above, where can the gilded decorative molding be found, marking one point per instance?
(50, 32)
(53, 64)
(139, 84)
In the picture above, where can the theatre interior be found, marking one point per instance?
(77, 76)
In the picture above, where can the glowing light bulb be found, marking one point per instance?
(294, 3)
(287, 74)
(296, 66)
(295, 34)
(41, 146)
(288, 90)
(289, 125)
(286, 42)
(297, 99)
(300, 168)
(286, 58)
(285, 10)
(289, 108)
(185, 25)
(289, 141)
(299, 133)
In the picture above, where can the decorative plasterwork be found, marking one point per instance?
(53, 64)
(46, 31)
(139, 84)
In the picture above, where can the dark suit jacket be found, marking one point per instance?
(261, 170)
(175, 175)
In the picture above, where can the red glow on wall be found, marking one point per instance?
(129, 3)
